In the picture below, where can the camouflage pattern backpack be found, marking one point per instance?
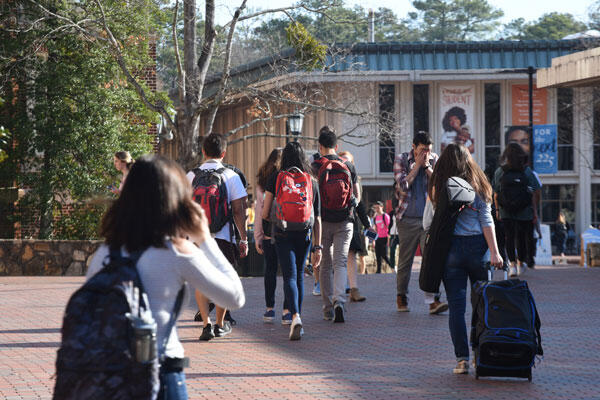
(97, 358)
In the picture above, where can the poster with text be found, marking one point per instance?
(456, 107)
(545, 143)
(520, 105)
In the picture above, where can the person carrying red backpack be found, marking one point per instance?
(339, 195)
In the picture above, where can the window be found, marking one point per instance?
(421, 108)
(596, 204)
(565, 128)
(492, 128)
(387, 120)
(557, 198)
(596, 144)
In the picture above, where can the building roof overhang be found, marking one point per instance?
(572, 70)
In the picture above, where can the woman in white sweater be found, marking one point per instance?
(154, 214)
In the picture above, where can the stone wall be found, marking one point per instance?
(46, 257)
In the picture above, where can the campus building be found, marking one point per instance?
(392, 90)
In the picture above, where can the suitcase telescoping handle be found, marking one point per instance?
(490, 269)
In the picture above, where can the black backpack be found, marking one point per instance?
(514, 195)
(98, 358)
(210, 191)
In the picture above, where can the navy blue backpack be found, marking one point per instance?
(505, 328)
(97, 358)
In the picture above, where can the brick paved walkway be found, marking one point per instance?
(378, 353)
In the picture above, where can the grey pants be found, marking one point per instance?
(410, 235)
(335, 238)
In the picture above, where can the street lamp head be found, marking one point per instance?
(295, 123)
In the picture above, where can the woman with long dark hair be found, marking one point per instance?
(293, 244)
(514, 184)
(473, 236)
(153, 215)
(263, 240)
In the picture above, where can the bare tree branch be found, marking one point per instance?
(226, 69)
(180, 71)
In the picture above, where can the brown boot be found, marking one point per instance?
(402, 303)
(355, 295)
(437, 307)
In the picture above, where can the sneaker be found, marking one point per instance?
(224, 330)
(328, 314)
(347, 290)
(338, 312)
(462, 367)
(207, 333)
(402, 303)
(229, 318)
(269, 316)
(355, 295)
(437, 307)
(512, 272)
(286, 319)
(198, 317)
(296, 329)
(317, 289)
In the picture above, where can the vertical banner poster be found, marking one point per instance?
(520, 105)
(456, 109)
(545, 157)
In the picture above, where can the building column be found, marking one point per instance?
(583, 127)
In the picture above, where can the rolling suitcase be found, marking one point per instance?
(505, 328)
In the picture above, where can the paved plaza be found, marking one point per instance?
(377, 354)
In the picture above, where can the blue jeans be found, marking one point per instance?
(172, 386)
(292, 249)
(271, 274)
(465, 260)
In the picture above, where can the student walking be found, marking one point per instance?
(264, 240)
(292, 208)
(357, 243)
(154, 235)
(412, 171)
(561, 233)
(514, 185)
(339, 193)
(122, 162)
(473, 235)
(382, 224)
(222, 194)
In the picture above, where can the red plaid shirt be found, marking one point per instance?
(403, 164)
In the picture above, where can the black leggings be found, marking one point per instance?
(381, 252)
(518, 241)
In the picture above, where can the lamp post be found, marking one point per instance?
(295, 123)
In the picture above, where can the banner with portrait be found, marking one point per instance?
(457, 111)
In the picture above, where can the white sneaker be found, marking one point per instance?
(512, 272)
(296, 329)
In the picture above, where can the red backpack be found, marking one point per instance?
(335, 185)
(210, 191)
(294, 200)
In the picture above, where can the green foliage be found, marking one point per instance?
(310, 54)
(71, 111)
(551, 26)
(4, 139)
(447, 20)
(80, 223)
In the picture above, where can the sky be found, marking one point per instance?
(528, 9)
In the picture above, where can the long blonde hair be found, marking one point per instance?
(125, 157)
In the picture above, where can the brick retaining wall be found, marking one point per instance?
(46, 257)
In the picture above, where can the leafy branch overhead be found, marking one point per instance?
(310, 54)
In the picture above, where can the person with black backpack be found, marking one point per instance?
(339, 195)
(514, 184)
(465, 246)
(291, 210)
(220, 191)
(119, 339)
